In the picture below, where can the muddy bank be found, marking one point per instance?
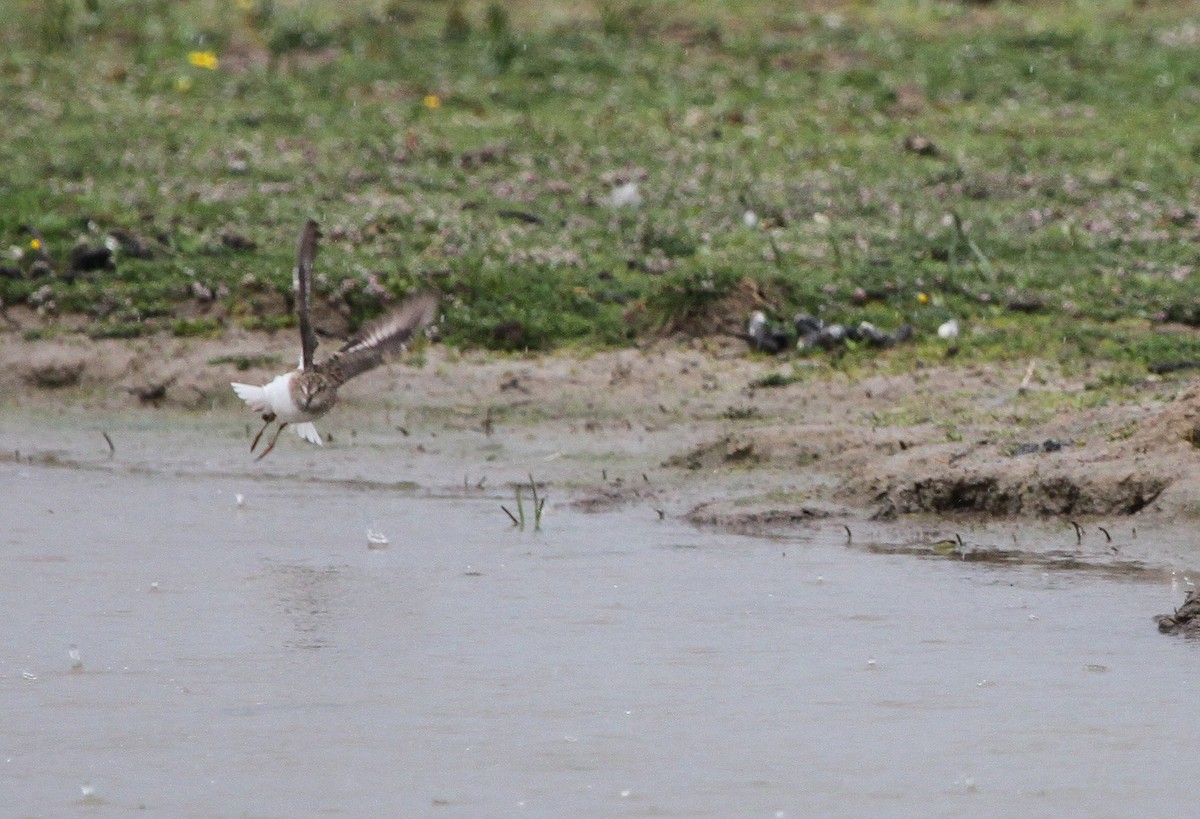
(1185, 620)
(679, 427)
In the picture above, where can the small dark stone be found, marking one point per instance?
(827, 337)
(1027, 304)
(807, 325)
(151, 392)
(764, 337)
(40, 269)
(510, 334)
(920, 145)
(132, 245)
(237, 242)
(85, 259)
(871, 334)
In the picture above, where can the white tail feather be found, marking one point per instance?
(255, 397)
(308, 432)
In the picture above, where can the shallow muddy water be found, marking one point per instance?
(260, 660)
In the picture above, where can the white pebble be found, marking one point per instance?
(948, 330)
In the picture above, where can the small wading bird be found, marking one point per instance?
(305, 394)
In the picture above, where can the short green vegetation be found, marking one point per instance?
(584, 174)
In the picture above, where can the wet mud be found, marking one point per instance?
(672, 429)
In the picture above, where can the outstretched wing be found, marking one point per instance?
(302, 282)
(383, 339)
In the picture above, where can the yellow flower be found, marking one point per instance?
(923, 298)
(433, 101)
(35, 244)
(203, 59)
(183, 84)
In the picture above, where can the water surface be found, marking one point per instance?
(263, 661)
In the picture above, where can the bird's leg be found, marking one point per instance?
(271, 445)
(268, 417)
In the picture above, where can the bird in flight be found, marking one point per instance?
(308, 392)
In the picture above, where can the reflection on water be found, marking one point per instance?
(262, 660)
(306, 595)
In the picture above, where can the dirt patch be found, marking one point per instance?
(724, 316)
(54, 369)
(1121, 461)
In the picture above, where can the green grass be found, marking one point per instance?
(473, 147)
(197, 327)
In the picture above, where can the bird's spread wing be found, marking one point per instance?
(302, 282)
(383, 339)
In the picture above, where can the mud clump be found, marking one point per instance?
(995, 494)
(754, 522)
(55, 371)
(613, 496)
(726, 450)
(723, 316)
(1185, 620)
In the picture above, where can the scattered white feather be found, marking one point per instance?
(626, 196)
(758, 324)
(376, 540)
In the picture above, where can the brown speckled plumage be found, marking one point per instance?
(315, 390)
(310, 391)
